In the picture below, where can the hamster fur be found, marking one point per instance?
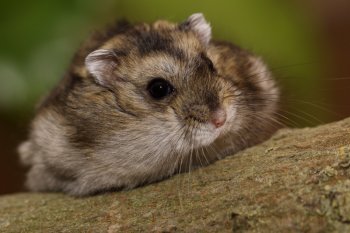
(142, 102)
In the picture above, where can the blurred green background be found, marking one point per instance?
(41, 37)
(38, 39)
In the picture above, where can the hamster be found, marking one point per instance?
(142, 102)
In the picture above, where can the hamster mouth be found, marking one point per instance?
(204, 136)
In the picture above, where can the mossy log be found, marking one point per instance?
(298, 181)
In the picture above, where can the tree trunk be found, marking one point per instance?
(298, 181)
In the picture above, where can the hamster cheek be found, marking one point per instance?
(230, 106)
(231, 112)
(183, 146)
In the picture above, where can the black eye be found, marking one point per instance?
(159, 88)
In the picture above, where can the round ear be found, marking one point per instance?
(200, 26)
(101, 64)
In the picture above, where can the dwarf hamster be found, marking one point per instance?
(142, 102)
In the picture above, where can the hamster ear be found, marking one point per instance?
(200, 26)
(100, 64)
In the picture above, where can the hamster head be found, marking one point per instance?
(140, 100)
(163, 71)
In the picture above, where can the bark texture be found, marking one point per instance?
(298, 181)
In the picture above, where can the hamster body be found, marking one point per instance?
(142, 102)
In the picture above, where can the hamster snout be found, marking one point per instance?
(218, 117)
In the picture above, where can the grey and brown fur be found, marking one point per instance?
(100, 130)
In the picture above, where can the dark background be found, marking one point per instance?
(306, 43)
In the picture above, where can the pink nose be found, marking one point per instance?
(218, 118)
